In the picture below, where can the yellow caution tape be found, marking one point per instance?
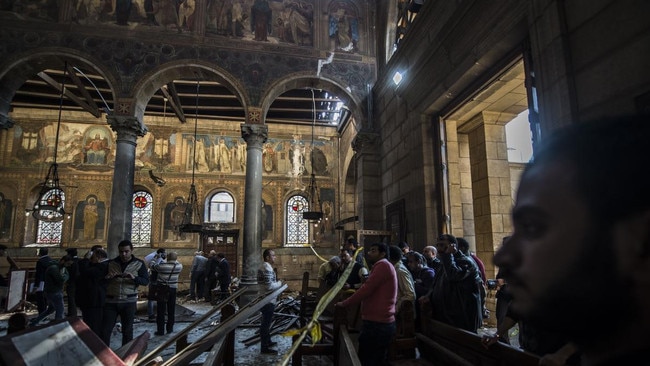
(313, 327)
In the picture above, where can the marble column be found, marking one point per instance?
(128, 129)
(255, 136)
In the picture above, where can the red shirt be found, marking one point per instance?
(378, 294)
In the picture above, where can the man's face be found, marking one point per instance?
(428, 253)
(125, 253)
(373, 255)
(556, 262)
(413, 263)
(346, 257)
(271, 257)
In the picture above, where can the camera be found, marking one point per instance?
(163, 255)
(492, 284)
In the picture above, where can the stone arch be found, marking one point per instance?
(154, 80)
(19, 68)
(308, 80)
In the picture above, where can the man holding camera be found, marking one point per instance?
(125, 274)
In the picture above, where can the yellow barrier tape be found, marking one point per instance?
(313, 322)
(317, 255)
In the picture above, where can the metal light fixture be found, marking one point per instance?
(192, 207)
(314, 196)
(49, 205)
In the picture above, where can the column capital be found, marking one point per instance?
(254, 134)
(365, 141)
(127, 125)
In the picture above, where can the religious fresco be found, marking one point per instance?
(174, 216)
(273, 21)
(227, 154)
(89, 219)
(80, 146)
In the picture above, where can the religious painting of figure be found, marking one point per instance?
(175, 216)
(239, 155)
(6, 210)
(343, 27)
(297, 22)
(221, 156)
(89, 219)
(318, 161)
(261, 20)
(268, 157)
(97, 147)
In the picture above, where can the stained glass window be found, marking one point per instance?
(221, 208)
(50, 232)
(297, 233)
(141, 218)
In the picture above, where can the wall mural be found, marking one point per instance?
(227, 154)
(81, 146)
(90, 216)
(86, 147)
(174, 215)
(274, 21)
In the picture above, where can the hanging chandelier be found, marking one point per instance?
(315, 212)
(192, 206)
(49, 205)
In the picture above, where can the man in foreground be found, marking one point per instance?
(125, 274)
(580, 251)
(377, 296)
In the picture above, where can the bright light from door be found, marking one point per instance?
(519, 139)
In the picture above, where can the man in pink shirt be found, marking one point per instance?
(377, 296)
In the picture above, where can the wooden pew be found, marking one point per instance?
(444, 345)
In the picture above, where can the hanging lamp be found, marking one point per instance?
(49, 205)
(192, 208)
(315, 212)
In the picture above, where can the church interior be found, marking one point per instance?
(217, 124)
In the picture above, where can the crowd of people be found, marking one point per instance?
(106, 290)
(577, 231)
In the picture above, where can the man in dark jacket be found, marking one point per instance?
(223, 275)
(455, 298)
(44, 261)
(54, 279)
(91, 288)
(211, 275)
(71, 285)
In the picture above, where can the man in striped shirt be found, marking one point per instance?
(168, 273)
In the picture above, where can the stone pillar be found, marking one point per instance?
(490, 174)
(368, 185)
(255, 136)
(128, 129)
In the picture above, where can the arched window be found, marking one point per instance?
(141, 218)
(50, 232)
(221, 208)
(297, 229)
